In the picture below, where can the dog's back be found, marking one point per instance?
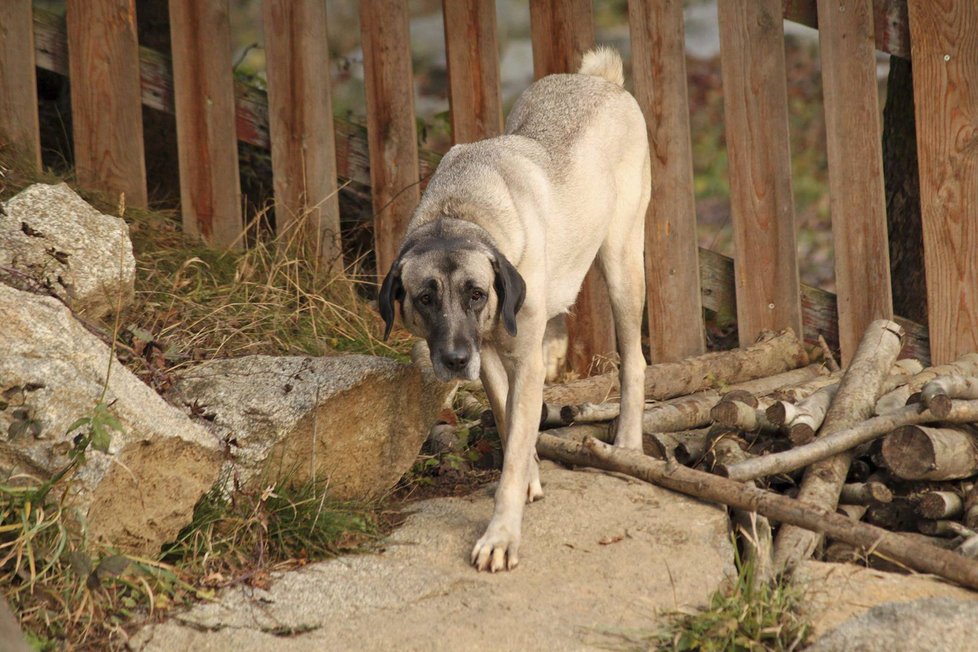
(555, 110)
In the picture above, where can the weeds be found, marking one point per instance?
(745, 616)
(242, 537)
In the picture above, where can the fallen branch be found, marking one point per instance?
(914, 554)
(853, 403)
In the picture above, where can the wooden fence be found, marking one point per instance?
(111, 75)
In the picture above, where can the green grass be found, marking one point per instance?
(241, 537)
(745, 616)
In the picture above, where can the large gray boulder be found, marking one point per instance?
(53, 242)
(52, 372)
(914, 626)
(355, 422)
(604, 559)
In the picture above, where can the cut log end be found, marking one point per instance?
(801, 433)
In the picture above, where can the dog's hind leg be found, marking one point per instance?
(496, 384)
(624, 270)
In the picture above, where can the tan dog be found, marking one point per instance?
(500, 243)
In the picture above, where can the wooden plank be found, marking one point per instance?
(106, 115)
(945, 79)
(251, 104)
(390, 123)
(561, 32)
(18, 93)
(761, 202)
(818, 307)
(300, 112)
(473, 69)
(210, 189)
(671, 270)
(891, 27)
(855, 155)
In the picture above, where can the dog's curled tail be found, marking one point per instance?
(603, 62)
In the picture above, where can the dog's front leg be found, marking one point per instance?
(498, 548)
(496, 384)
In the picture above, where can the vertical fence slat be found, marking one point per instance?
(855, 155)
(18, 95)
(391, 131)
(300, 116)
(561, 32)
(944, 38)
(755, 104)
(203, 89)
(671, 252)
(106, 97)
(473, 69)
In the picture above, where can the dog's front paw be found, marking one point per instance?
(497, 549)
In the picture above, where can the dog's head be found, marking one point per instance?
(453, 289)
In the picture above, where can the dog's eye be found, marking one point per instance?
(425, 299)
(478, 296)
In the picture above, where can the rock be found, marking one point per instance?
(355, 421)
(602, 557)
(56, 243)
(927, 624)
(52, 372)
(835, 593)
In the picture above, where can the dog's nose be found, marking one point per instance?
(455, 360)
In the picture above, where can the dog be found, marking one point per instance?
(500, 243)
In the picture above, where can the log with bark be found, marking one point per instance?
(966, 365)
(938, 393)
(854, 402)
(865, 493)
(565, 445)
(916, 452)
(936, 505)
(687, 412)
(844, 440)
(773, 353)
(805, 418)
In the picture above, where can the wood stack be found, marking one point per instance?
(874, 464)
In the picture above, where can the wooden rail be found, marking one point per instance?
(763, 292)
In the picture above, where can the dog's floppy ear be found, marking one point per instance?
(510, 288)
(391, 291)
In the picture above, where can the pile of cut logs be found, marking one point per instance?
(874, 464)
